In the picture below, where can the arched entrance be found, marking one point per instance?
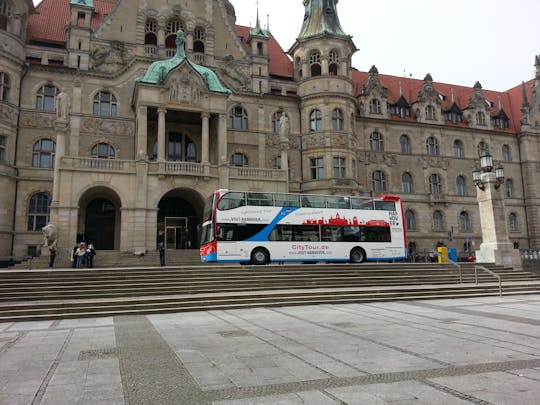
(179, 214)
(99, 220)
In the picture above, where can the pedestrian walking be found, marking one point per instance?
(161, 250)
(52, 256)
(80, 253)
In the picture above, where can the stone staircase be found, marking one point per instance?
(52, 294)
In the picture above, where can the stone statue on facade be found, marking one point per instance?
(62, 106)
(284, 126)
(50, 235)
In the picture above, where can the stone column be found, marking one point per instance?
(161, 134)
(205, 144)
(142, 132)
(496, 246)
(222, 152)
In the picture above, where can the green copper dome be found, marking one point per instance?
(158, 71)
(321, 18)
(87, 3)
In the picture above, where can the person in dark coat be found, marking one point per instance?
(52, 256)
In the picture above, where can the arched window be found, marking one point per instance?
(104, 104)
(239, 160)
(181, 148)
(172, 27)
(464, 222)
(315, 121)
(432, 146)
(45, 98)
(238, 118)
(506, 155)
(275, 121)
(410, 220)
(378, 181)
(315, 63)
(458, 149)
(5, 14)
(461, 188)
(4, 87)
(374, 106)
(407, 183)
(405, 144)
(480, 119)
(43, 153)
(376, 142)
(150, 37)
(199, 37)
(513, 225)
(509, 188)
(337, 119)
(103, 151)
(430, 113)
(482, 148)
(333, 60)
(435, 186)
(38, 211)
(438, 224)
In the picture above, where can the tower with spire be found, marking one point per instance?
(259, 38)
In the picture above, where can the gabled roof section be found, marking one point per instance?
(49, 23)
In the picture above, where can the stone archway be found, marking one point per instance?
(100, 219)
(179, 214)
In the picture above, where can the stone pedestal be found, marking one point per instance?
(496, 247)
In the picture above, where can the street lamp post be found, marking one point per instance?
(496, 246)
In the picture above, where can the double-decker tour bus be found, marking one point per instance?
(259, 228)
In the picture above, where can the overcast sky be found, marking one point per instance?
(458, 41)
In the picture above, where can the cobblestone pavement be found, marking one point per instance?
(461, 351)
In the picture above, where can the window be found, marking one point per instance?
(458, 149)
(38, 211)
(317, 168)
(501, 122)
(45, 98)
(5, 14)
(104, 104)
(480, 119)
(43, 153)
(410, 220)
(435, 186)
(506, 155)
(2, 148)
(509, 187)
(198, 40)
(181, 148)
(375, 106)
(405, 144)
(103, 151)
(430, 113)
(464, 222)
(482, 148)
(407, 183)
(438, 221)
(513, 225)
(432, 146)
(378, 181)
(4, 87)
(337, 120)
(172, 27)
(340, 168)
(376, 142)
(333, 60)
(461, 188)
(239, 160)
(275, 121)
(150, 37)
(315, 121)
(453, 115)
(238, 118)
(315, 63)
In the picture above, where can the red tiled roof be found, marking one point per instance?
(52, 16)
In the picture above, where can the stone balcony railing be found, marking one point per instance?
(258, 173)
(99, 165)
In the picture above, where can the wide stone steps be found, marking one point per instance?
(45, 294)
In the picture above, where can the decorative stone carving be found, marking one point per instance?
(185, 89)
(381, 158)
(233, 75)
(50, 235)
(8, 114)
(109, 58)
(107, 127)
(434, 162)
(36, 120)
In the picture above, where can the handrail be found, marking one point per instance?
(451, 262)
(490, 272)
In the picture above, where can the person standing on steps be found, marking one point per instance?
(52, 256)
(90, 253)
(161, 250)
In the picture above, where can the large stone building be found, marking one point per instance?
(116, 129)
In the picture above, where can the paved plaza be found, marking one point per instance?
(475, 350)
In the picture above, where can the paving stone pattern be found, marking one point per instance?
(462, 351)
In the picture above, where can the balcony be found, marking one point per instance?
(97, 165)
(181, 169)
(150, 50)
(253, 173)
(199, 58)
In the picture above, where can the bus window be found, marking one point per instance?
(378, 234)
(207, 233)
(281, 233)
(306, 233)
(232, 200)
(332, 233)
(238, 232)
(287, 200)
(260, 199)
(313, 201)
(385, 205)
(337, 202)
(359, 203)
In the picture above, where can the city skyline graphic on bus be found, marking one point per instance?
(339, 221)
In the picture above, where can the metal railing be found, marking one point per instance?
(490, 272)
(445, 259)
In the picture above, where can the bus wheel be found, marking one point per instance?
(260, 256)
(357, 255)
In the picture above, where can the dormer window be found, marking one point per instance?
(430, 113)
(401, 108)
(501, 120)
(480, 119)
(453, 115)
(315, 63)
(374, 106)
